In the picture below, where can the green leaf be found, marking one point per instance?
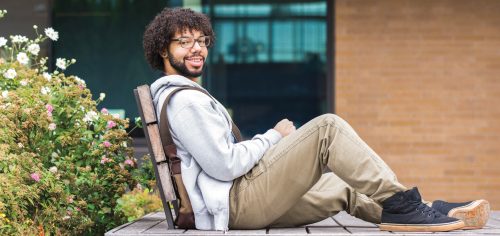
(106, 210)
(138, 122)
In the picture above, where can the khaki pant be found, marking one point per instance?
(288, 188)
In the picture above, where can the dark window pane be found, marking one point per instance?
(269, 61)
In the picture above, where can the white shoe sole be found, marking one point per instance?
(474, 215)
(422, 227)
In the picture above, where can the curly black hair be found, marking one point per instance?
(164, 26)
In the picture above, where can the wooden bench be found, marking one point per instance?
(167, 191)
(154, 224)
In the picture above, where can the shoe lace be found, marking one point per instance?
(426, 210)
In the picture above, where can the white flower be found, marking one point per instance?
(47, 76)
(102, 96)
(5, 94)
(23, 82)
(20, 145)
(10, 74)
(53, 169)
(3, 41)
(80, 81)
(18, 39)
(90, 116)
(73, 61)
(35, 27)
(34, 49)
(52, 34)
(23, 58)
(45, 90)
(52, 126)
(61, 63)
(7, 105)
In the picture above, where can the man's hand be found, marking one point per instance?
(285, 127)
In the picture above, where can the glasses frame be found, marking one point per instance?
(194, 41)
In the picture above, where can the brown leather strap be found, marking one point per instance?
(168, 144)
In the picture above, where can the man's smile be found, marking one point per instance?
(195, 61)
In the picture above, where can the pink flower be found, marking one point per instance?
(104, 111)
(52, 126)
(104, 159)
(35, 176)
(111, 124)
(129, 162)
(82, 87)
(49, 108)
(70, 199)
(107, 144)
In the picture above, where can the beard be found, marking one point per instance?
(182, 69)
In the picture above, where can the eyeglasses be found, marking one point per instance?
(186, 42)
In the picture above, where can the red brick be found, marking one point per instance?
(419, 82)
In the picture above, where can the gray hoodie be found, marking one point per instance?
(210, 158)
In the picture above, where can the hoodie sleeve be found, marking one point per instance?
(205, 134)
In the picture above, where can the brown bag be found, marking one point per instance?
(185, 218)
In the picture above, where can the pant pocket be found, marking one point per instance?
(255, 171)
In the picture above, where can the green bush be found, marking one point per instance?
(63, 163)
(137, 203)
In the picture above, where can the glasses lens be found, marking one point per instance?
(186, 42)
(206, 41)
(203, 41)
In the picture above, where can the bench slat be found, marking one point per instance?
(154, 139)
(146, 104)
(166, 182)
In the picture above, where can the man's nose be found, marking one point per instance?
(196, 46)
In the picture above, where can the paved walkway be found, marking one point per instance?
(341, 224)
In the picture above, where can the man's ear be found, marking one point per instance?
(164, 54)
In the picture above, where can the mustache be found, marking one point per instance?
(195, 55)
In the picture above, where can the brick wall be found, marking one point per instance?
(420, 82)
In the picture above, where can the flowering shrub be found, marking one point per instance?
(63, 163)
(138, 203)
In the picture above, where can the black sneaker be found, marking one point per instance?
(474, 214)
(404, 211)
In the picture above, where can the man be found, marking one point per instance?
(276, 179)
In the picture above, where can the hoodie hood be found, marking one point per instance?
(168, 81)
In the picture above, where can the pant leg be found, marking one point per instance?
(326, 198)
(290, 168)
